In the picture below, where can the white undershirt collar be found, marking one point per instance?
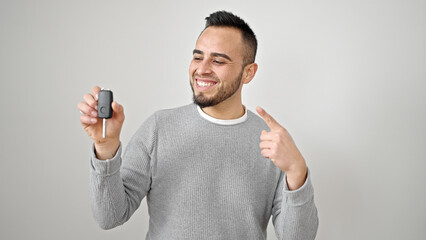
(222, 121)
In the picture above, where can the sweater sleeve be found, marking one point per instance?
(294, 213)
(118, 185)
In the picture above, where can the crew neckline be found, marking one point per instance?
(223, 121)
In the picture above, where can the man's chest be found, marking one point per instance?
(224, 165)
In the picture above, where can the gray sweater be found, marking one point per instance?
(202, 180)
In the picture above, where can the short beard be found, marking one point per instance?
(222, 94)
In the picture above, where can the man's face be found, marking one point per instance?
(216, 68)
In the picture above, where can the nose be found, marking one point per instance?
(204, 67)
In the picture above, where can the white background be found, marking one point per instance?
(346, 78)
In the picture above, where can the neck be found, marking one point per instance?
(226, 110)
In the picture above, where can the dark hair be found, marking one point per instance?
(227, 19)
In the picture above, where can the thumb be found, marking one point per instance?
(269, 120)
(118, 111)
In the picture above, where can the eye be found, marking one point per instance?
(197, 58)
(218, 62)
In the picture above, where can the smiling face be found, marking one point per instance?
(216, 70)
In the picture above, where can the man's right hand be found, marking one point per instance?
(105, 147)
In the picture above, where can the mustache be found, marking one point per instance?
(210, 76)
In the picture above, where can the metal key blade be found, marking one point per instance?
(104, 123)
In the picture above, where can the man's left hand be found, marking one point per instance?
(279, 147)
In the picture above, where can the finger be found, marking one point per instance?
(118, 111)
(267, 136)
(86, 109)
(266, 145)
(266, 153)
(88, 98)
(95, 92)
(269, 120)
(87, 120)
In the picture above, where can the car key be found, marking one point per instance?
(104, 107)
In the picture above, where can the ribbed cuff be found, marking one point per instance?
(301, 195)
(106, 167)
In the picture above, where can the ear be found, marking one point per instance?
(249, 72)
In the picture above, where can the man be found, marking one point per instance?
(209, 170)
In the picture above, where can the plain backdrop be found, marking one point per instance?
(346, 78)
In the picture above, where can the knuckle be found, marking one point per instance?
(87, 96)
(96, 88)
(81, 105)
(275, 145)
(83, 119)
(121, 120)
(277, 136)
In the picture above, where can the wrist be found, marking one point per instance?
(106, 150)
(297, 177)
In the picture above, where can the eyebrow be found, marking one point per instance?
(214, 54)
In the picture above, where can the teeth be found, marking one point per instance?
(204, 84)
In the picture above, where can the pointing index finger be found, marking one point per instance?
(269, 120)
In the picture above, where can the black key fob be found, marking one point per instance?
(104, 104)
